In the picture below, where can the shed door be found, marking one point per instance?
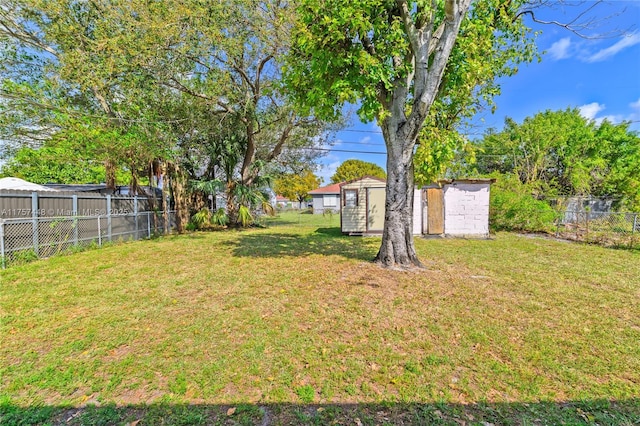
(435, 211)
(375, 209)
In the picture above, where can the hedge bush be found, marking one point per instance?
(514, 208)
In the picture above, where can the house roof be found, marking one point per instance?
(18, 184)
(329, 189)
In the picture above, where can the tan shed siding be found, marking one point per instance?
(354, 219)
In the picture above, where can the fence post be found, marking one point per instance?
(74, 207)
(635, 223)
(586, 222)
(135, 213)
(99, 233)
(34, 222)
(148, 224)
(2, 254)
(109, 216)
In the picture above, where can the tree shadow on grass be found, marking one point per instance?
(589, 412)
(323, 241)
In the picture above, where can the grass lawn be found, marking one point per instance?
(292, 325)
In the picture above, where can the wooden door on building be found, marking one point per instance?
(435, 212)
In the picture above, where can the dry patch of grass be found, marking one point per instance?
(298, 316)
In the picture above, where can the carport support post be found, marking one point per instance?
(34, 222)
(109, 216)
(74, 207)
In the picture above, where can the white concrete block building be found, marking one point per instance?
(466, 207)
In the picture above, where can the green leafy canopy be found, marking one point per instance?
(345, 51)
(356, 169)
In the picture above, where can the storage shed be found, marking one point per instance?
(363, 207)
(457, 207)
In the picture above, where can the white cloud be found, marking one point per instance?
(560, 49)
(604, 54)
(613, 119)
(635, 111)
(589, 111)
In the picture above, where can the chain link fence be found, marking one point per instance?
(23, 240)
(605, 228)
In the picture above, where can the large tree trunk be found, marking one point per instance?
(134, 185)
(110, 174)
(232, 208)
(178, 188)
(431, 52)
(165, 206)
(397, 249)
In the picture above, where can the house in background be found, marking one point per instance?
(326, 199)
(452, 207)
(285, 203)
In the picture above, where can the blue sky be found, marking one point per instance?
(599, 75)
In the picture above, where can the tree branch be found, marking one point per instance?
(368, 45)
(284, 136)
(409, 25)
(575, 25)
(181, 87)
(14, 30)
(261, 66)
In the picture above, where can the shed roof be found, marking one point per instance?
(363, 178)
(329, 189)
(468, 180)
